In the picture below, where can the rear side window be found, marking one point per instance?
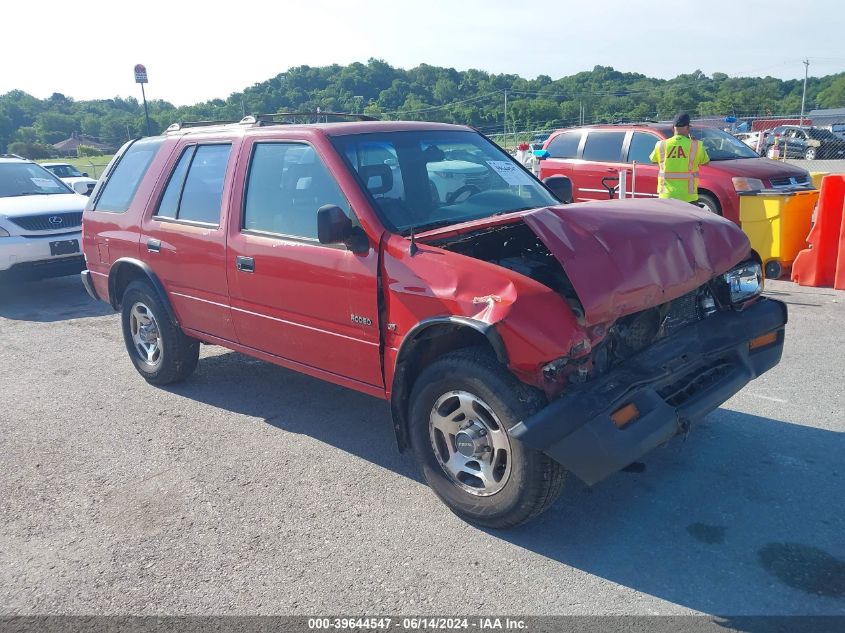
(641, 147)
(605, 147)
(194, 192)
(123, 180)
(564, 145)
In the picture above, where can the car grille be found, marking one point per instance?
(52, 222)
(794, 181)
(682, 311)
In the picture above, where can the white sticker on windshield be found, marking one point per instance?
(510, 173)
(44, 182)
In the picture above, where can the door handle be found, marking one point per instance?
(245, 264)
(153, 246)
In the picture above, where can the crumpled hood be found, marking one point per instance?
(623, 256)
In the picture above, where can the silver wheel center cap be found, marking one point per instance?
(471, 441)
(148, 333)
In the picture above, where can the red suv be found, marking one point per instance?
(514, 337)
(591, 157)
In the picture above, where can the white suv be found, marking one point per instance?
(40, 222)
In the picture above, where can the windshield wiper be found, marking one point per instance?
(28, 193)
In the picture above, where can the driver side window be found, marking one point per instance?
(287, 184)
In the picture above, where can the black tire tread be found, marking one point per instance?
(551, 476)
(181, 351)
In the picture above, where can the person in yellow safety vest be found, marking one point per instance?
(678, 159)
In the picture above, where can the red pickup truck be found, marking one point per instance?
(515, 337)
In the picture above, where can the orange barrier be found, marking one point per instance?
(823, 264)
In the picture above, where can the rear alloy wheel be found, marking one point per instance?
(810, 154)
(462, 407)
(158, 348)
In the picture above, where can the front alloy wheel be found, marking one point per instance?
(462, 407)
(470, 443)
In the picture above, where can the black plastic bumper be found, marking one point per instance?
(85, 275)
(673, 383)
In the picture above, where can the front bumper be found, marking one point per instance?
(33, 251)
(673, 383)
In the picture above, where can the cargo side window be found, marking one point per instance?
(604, 147)
(194, 192)
(122, 180)
(565, 145)
(287, 183)
(641, 147)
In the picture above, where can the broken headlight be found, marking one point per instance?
(741, 283)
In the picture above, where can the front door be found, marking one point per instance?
(310, 304)
(643, 183)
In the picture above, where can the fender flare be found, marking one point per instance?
(151, 277)
(400, 389)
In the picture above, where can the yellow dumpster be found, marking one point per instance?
(816, 177)
(777, 225)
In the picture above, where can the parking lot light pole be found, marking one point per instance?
(806, 63)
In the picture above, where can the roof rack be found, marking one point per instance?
(288, 118)
(181, 125)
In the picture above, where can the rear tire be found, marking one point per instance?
(810, 154)
(159, 349)
(493, 481)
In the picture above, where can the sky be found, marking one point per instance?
(195, 51)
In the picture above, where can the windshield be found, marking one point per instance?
(420, 180)
(65, 171)
(721, 145)
(28, 179)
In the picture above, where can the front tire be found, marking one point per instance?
(462, 407)
(159, 349)
(810, 154)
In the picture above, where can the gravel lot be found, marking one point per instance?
(252, 489)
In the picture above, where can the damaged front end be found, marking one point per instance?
(669, 326)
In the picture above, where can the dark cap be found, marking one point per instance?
(681, 119)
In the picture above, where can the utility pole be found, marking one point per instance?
(505, 129)
(806, 63)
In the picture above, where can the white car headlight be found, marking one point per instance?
(744, 282)
(747, 184)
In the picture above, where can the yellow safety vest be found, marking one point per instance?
(678, 159)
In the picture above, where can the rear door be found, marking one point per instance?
(312, 305)
(183, 237)
(643, 179)
(598, 169)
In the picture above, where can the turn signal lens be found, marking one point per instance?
(625, 415)
(762, 341)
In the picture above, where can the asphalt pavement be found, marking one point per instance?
(251, 489)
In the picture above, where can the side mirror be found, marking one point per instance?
(541, 154)
(335, 227)
(561, 188)
(85, 173)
